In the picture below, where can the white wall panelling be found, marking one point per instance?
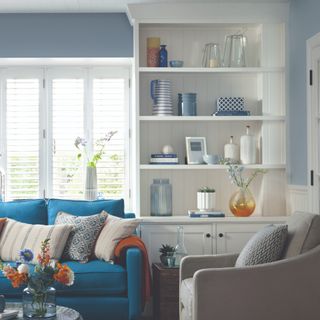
(298, 199)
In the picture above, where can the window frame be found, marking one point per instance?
(46, 74)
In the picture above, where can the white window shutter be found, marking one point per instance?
(22, 137)
(67, 125)
(109, 115)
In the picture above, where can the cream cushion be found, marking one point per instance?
(304, 233)
(17, 236)
(186, 298)
(114, 230)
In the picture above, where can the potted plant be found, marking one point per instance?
(167, 255)
(206, 199)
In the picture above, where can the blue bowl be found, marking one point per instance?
(176, 63)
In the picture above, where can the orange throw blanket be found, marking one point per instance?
(119, 252)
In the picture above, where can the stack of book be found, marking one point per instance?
(232, 113)
(164, 158)
(205, 214)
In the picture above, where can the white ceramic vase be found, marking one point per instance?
(231, 151)
(206, 201)
(248, 148)
(90, 192)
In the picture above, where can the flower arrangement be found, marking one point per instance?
(236, 175)
(44, 274)
(81, 145)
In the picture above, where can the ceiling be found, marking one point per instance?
(21, 6)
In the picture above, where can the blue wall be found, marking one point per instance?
(304, 23)
(65, 35)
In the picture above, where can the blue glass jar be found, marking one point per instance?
(163, 56)
(161, 197)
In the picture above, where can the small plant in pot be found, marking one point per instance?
(167, 255)
(206, 199)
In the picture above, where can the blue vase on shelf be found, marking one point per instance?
(163, 56)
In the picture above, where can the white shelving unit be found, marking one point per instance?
(262, 83)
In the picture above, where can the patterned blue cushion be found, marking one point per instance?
(265, 246)
(230, 104)
(27, 211)
(80, 244)
(84, 208)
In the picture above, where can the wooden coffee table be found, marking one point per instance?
(63, 313)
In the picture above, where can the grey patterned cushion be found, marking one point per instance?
(265, 246)
(82, 238)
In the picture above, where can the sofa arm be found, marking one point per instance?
(191, 264)
(287, 289)
(135, 281)
(129, 215)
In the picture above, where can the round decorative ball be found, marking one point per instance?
(167, 149)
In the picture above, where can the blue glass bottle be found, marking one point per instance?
(163, 56)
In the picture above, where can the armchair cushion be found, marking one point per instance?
(303, 233)
(186, 298)
(265, 246)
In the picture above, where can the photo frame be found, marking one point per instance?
(196, 147)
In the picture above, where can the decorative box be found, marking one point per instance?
(230, 104)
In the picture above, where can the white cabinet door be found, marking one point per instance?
(232, 237)
(198, 238)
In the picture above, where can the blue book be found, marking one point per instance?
(205, 214)
(232, 113)
(164, 155)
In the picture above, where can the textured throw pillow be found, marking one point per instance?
(265, 246)
(16, 236)
(82, 238)
(114, 230)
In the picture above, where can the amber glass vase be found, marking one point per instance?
(242, 203)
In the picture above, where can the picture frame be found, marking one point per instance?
(196, 147)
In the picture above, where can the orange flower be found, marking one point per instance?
(64, 275)
(16, 278)
(44, 256)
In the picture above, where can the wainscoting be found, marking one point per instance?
(298, 199)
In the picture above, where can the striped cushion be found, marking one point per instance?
(16, 236)
(114, 230)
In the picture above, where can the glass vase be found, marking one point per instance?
(39, 304)
(242, 203)
(91, 189)
(161, 197)
(180, 250)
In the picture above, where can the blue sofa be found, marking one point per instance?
(101, 290)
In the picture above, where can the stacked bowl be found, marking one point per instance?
(187, 104)
(162, 98)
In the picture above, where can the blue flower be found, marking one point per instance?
(26, 255)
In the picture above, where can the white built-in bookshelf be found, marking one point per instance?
(262, 83)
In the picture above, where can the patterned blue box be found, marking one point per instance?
(230, 104)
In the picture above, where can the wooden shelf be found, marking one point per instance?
(211, 70)
(208, 167)
(211, 118)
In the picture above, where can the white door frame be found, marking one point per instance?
(313, 56)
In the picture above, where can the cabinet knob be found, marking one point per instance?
(220, 235)
(208, 235)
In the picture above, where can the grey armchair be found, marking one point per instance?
(289, 289)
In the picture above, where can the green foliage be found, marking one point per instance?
(166, 249)
(206, 190)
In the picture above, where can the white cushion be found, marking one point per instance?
(186, 298)
(114, 230)
(17, 236)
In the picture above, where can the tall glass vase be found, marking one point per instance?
(39, 304)
(91, 191)
(242, 203)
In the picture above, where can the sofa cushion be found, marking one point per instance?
(95, 278)
(186, 297)
(17, 236)
(84, 208)
(113, 231)
(303, 233)
(27, 211)
(265, 246)
(83, 236)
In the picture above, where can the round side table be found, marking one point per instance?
(63, 313)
